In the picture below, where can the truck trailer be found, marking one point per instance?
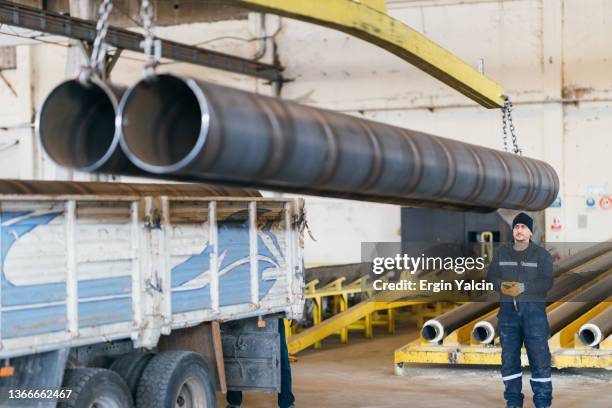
(146, 295)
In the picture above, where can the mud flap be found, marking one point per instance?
(252, 355)
(44, 371)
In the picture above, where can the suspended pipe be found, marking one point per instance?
(76, 127)
(182, 129)
(436, 329)
(597, 329)
(485, 330)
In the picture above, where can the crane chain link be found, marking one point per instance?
(508, 125)
(97, 59)
(151, 46)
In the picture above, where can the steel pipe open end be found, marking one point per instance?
(590, 335)
(76, 124)
(163, 123)
(483, 332)
(432, 331)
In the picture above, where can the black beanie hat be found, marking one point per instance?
(523, 218)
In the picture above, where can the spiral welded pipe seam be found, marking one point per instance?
(257, 141)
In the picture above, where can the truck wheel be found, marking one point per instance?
(95, 388)
(130, 367)
(177, 379)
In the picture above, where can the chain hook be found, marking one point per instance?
(150, 45)
(97, 59)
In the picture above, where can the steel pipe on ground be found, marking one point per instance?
(186, 129)
(485, 330)
(436, 329)
(597, 329)
(579, 304)
(76, 127)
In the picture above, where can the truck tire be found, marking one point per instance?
(130, 367)
(95, 387)
(176, 379)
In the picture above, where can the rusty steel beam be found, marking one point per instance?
(71, 27)
(75, 188)
(436, 329)
(180, 128)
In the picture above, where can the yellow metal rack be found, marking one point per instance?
(459, 348)
(379, 310)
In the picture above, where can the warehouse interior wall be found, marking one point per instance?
(553, 57)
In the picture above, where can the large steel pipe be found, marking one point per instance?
(436, 329)
(578, 304)
(180, 127)
(597, 329)
(485, 330)
(76, 127)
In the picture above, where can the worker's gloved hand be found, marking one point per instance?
(513, 289)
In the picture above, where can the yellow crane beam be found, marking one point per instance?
(368, 20)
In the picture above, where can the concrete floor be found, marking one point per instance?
(361, 374)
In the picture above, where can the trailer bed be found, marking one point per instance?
(84, 268)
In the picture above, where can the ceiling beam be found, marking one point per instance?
(70, 27)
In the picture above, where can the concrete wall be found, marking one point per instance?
(552, 56)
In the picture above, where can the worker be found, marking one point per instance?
(285, 397)
(523, 273)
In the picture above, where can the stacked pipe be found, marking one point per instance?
(597, 329)
(435, 330)
(485, 330)
(577, 305)
(181, 129)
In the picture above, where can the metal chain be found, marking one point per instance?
(508, 124)
(97, 60)
(505, 127)
(150, 45)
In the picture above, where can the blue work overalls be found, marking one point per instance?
(522, 320)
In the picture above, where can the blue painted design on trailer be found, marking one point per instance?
(13, 295)
(9, 215)
(267, 231)
(109, 311)
(191, 268)
(121, 285)
(189, 300)
(234, 284)
(29, 322)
